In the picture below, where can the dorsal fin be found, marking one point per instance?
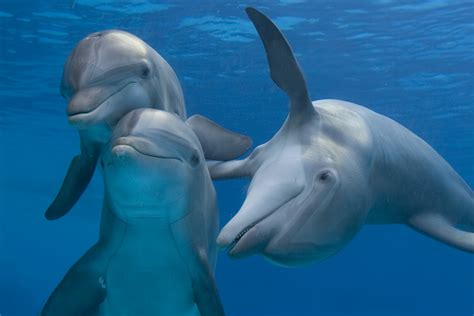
(284, 68)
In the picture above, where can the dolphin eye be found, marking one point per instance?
(325, 175)
(194, 160)
(102, 164)
(145, 72)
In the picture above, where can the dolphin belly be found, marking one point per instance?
(147, 275)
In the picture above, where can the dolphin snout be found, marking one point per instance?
(121, 152)
(224, 239)
(125, 146)
(248, 241)
(122, 147)
(232, 232)
(143, 146)
(251, 242)
(84, 103)
(123, 141)
(86, 100)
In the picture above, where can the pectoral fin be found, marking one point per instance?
(229, 169)
(82, 289)
(205, 290)
(192, 243)
(217, 142)
(78, 176)
(439, 228)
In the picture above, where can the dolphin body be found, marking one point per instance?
(105, 62)
(161, 259)
(107, 75)
(333, 167)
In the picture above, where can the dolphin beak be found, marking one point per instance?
(87, 100)
(123, 146)
(247, 231)
(253, 241)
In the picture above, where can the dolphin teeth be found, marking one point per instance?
(241, 234)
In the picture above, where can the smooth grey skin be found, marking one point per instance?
(161, 259)
(332, 167)
(107, 75)
(95, 129)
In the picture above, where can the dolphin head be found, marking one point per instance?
(151, 163)
(110, 73)
(301, 207)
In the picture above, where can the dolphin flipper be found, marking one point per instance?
(205, 289)
(229, 169)
(192, 247)
(82, 289)
(284, 68)
(217, 142)
(437, 227)
(78, 176)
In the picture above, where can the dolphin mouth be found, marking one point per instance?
(233, 245)
(124, 144)
(233, 249)
(75, 116)
(239, 237)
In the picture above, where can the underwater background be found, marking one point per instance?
(410, 60)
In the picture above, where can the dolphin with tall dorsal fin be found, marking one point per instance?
(107, 75)
(333, 167)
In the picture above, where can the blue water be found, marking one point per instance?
(410, 60)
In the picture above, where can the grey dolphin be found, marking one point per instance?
(333, 167)
(160, 259)
(95, 129)
(107, 75)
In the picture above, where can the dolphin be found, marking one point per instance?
(332, 167)
(161, 259)
(107, 75)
